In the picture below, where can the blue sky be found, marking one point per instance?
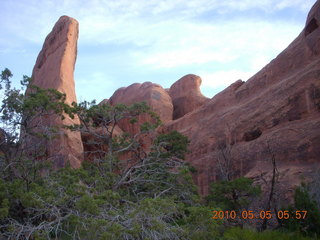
(126, 41)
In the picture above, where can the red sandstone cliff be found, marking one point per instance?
(279, 107)
(275, 113)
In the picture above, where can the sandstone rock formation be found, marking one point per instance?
(275, 113)
(153, 94)
(54, 69)
(186, 95)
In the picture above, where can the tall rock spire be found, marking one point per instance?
(54, 69)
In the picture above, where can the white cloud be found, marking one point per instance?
(183, 57)
(162, 34)
(303, 5)
(32, 19)
(266, 5)
(222, 79)
(243, 42)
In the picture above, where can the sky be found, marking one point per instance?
(127, 41)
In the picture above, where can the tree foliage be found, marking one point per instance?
(233, 195)
(303, 201)
(22, 116)
(153, 197)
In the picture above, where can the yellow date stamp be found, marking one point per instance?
(249, 214)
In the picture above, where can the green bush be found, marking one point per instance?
(232, 195)
(310, 225)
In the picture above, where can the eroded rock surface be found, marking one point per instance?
(54, 69)
(186, 95)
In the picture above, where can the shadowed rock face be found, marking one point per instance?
(186, 96)
(54, 69)
(276, 112)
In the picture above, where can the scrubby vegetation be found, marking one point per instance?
(152, 196)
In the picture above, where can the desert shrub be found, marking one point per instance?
(232, 195)
(303, 201)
